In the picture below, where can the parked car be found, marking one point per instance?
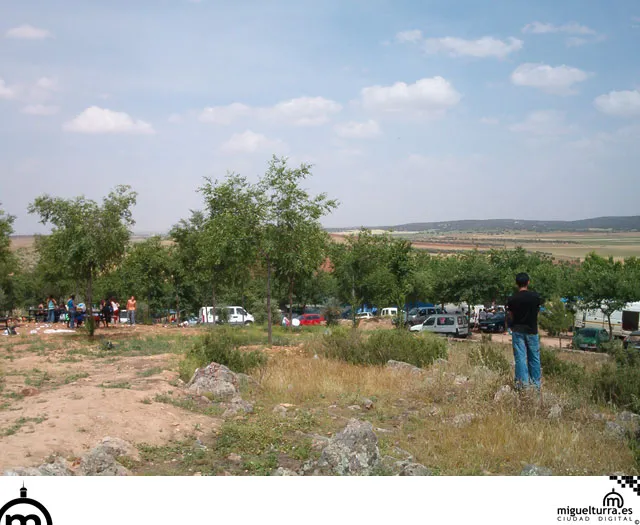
(365, 315)
(632, 340)
(590, 338)
(446, 324)
(495, 323)
(310, 319)
(389, 312)
(235, 315)
(419, 315)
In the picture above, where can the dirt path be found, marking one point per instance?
(54, 402)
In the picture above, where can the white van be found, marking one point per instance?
(445, 324)
(389, 312)
(623, 322)
(235, 315)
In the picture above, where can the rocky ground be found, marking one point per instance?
(61, 396)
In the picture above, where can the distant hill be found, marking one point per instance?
(494, 225)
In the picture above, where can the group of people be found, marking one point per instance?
(110, 311)
(75, 313)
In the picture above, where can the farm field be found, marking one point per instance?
(562, 245)
(63, 393)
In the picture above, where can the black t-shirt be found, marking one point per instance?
(524, 307)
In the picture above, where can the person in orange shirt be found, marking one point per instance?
(131, 310)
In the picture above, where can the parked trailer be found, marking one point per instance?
(623, 322)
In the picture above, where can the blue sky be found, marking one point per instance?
(408, 110)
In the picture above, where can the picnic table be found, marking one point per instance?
(37, 314)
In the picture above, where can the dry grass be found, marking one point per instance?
(419, 412)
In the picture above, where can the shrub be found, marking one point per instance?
(570, 374)
(220, 345)
(618, 384)
(332, 314)
(380, 346)
(487, 354)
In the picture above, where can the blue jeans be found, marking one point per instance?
(526, 351)
(72, 318)
(52, 316)
(131, 314)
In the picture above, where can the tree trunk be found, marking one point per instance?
(269, 320)
(610, 330)
(177, 309)
(291, 303)
(243, 308)
(213, 303)
(89, 321)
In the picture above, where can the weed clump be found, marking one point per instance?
(381, 346)
(571, 375)
(221, 346)
(487, 354)
(619, 382)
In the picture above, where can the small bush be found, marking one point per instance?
(618, 384)
(332, 314)
(486, 354)
(570, 374)
(220, 345)
(353, 347)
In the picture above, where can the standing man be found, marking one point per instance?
(131, 310)
(523, 308)
(71, 311)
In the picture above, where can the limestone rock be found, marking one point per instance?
(215, 379)
(101, 460)
(555, 412)
(463, 420)
(353, 451)
(505, 392)
(280, 410)
(284, 472)
(404, 367)
(535, 470)
(406, 468)
(367, 403)
(236, 406)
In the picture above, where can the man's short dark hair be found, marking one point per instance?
(73, 297)
(522, 279)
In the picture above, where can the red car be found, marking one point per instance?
(310, 319)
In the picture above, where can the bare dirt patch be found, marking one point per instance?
(59, 402)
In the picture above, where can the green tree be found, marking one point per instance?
(8, 262)
(232, 232)
(147, 273)
(603, 285)
(556, 319)
(87, 238)
(295, 240)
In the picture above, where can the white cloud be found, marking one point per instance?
(6, 92)
(249, 142)
(175, 118)
(619, 103)
(576, 41)
(358, 130)
(304, 111)
(428, 96)
(482, 48)
(28, 32)
(411, 36)
(557, 80)
(572, 28)
(95, 120)
(540, 123)
(490, 121)
(224, 115)
(40, 110)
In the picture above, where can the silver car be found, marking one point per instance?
(446, 324)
